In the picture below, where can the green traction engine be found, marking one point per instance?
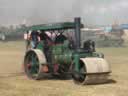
(59, 53)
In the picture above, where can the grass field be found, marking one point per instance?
(14, 83)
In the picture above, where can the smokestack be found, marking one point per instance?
(77, 21)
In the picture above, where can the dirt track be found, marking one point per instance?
(14, 83)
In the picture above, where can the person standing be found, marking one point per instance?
(34, 38)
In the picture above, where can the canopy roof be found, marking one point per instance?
(53, 26)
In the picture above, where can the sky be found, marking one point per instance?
(92, 12)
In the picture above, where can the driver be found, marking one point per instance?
(60, 38)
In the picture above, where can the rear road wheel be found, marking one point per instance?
(34, 63)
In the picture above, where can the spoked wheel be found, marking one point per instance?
(79, 77)
(33, 64)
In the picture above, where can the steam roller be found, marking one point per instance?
(63, 56)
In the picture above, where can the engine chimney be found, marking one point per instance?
(77, 22)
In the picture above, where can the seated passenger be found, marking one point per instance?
(44, 36)
(60, 39)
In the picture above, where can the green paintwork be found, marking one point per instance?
(34, 64)
(83, 55)
(62, 54)
(40, 45)
(64, 58)
(76, 62)
(53, 26)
